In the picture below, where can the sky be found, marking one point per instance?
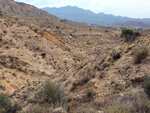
(128, 8)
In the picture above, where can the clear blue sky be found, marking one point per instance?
(129, 8)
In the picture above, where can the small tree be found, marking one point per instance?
(127, 32)
(129, 35)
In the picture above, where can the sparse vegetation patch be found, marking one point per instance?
(140, 54)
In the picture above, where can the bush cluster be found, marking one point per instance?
(52, 94)
(6, 106)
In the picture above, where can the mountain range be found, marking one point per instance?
(73, 13)
(86, 16)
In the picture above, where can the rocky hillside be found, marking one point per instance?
(51, 67)
(10, 6)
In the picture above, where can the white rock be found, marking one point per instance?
(58, 110)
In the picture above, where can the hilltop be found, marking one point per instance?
(10, 6)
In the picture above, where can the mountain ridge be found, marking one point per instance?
(75, 13)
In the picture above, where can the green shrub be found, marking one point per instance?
(89, 43)
(5, 32)
(36, 30)
(108, 49)
(57, 27)
(90, 92)
(52, 94)
(116, 55)
(43, 55)
(13, 66)
(140, 54)
(6, 106)
(3, 101)
(146, 86)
